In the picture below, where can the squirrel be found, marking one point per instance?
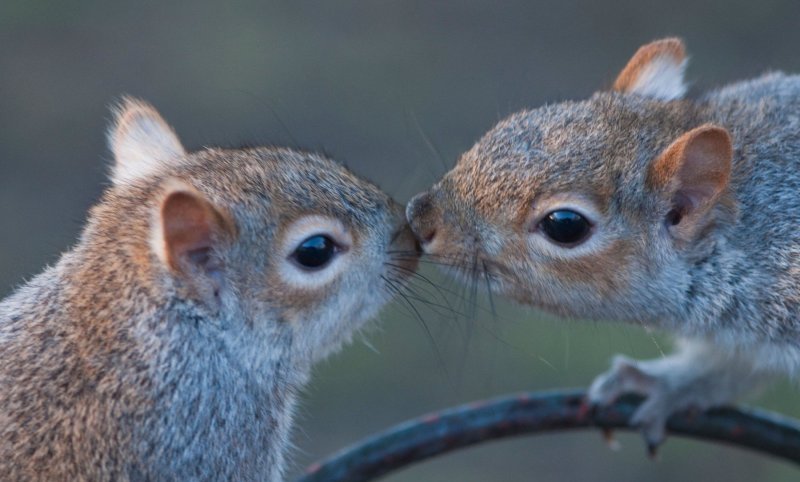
(646, 206)
(171, 342)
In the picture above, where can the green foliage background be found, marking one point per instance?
(396, 90)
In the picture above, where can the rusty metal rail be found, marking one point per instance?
(533, 413)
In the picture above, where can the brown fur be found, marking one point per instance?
(171, 342)
(692, 206)
(668, 48)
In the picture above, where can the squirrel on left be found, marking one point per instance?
(170, 343)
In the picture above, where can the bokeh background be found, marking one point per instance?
(396, 90)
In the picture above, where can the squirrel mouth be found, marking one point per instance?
(405, 249)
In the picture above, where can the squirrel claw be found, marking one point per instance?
(654, 434)
(629, 376)
(652, 422)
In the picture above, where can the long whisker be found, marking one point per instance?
(489, 289)
(429, 255)
(429, 143)
(402, 296)
(473, 286)
(476, 267)
(448, 309)
(428, 262)
(426, 256)
(419, 276)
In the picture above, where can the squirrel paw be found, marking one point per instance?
(652, 380)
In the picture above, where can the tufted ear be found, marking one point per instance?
(140, 140)
(694, 170)
(655, 71)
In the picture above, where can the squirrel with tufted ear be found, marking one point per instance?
(646, 206)
(171, 342)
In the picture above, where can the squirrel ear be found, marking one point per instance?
(695, 169)
(188, 229)
(655, 71)
(140, 140)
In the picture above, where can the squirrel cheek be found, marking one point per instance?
(292, 304)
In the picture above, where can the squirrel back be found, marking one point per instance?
(171, 341)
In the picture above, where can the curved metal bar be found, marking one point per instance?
(531, 413)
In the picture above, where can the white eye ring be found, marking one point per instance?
(540, 242)
(301, 230)
(567, 228)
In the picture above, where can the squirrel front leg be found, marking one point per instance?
(697, 376)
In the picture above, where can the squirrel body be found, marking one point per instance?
(641, 205)
(171, 342)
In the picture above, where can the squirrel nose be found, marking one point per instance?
(419, 213)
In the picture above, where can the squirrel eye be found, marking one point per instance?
(315, 252)
(566, 227)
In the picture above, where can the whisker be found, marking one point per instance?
(424, 296)
(416, 275)
(402, 296)
(416, 253)
(430, 143)
(473, 287)
(427, 262)
(425, 256)
(489, 289)
(449, 309)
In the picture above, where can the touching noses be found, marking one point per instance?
(421, 217)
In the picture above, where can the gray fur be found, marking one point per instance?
(734, 288)
(113, 368)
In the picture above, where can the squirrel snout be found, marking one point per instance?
(421, 219)
(407, 248)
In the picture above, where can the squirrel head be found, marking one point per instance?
(587, 209)
(270, 245)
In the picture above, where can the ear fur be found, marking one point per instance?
(695, 169)
(188, 227)
(141, 141)
(187, 231)
(655, 71)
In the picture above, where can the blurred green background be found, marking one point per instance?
(396, 90)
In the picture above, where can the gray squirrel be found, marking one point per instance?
(170, 343)
(643, 205)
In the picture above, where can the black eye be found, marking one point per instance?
(566, 227)
(315, 252)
